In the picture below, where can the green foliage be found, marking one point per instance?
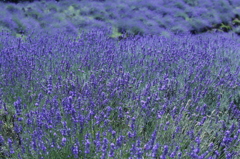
(3, 29)
(180, 5)
(12, 9)
(71, 12)
(137, 30)
(166, 34)
(84, 10)
(236, 21)
(99, 17)
(225, 27)
(237, 30)
(23, 37)
(182, 15)
(52, 8)
(32, 13)
(198, 25)
(191, 2)
(115, 33)
(20, 27)
(8, 120)
(178, 29)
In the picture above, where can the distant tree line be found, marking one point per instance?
(18, 1)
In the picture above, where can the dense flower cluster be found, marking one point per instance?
(94, 97)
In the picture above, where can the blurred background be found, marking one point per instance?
(131, 17)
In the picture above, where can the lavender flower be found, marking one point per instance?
(155, 150)
(87, 146)
(133, 150)
(64, 140)
(18, 106)
(120, 141)
(10, 142)
(75, 151)
(165, 150)
(1, 140)
(227, 139)
(111, 153)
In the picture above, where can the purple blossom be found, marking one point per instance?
(75, 150)
(179, 154)
(64, 140)
(120, 141)
(1, 140)
(104, 145)
(155, 150)
(97, 142)
(139, 151)
(113, 133)
(216, 153)
(131, 134)
(133, 124)
(227, 139)
(10, 142)
(198, 140)
(165, 150)
(173, 154)
(49, 85)
(87, 146)
(18, 106)
(133, 149)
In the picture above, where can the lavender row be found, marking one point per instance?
(132, 17)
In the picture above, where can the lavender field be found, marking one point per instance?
(113, 91)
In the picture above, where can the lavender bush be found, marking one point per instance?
(142, 97)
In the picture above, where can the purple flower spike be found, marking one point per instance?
(75, 151)
(64, 140)
(165, 150)
(111, 154)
